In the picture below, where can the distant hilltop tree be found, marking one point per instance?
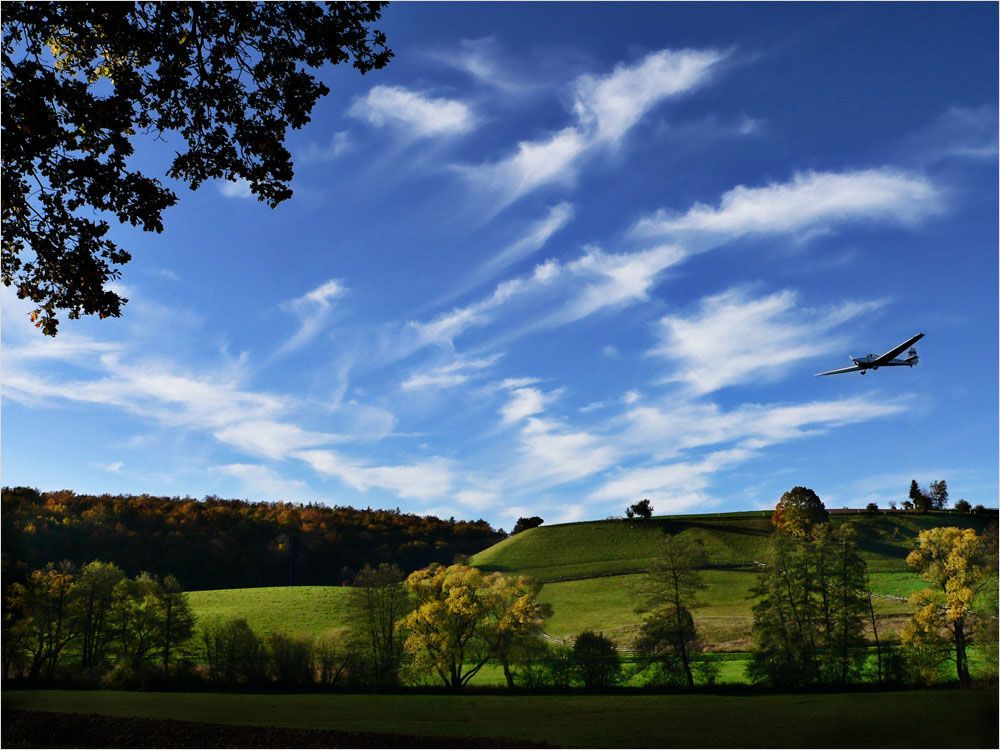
(798, 510)
(963, 506)
(523, 524)
(643, 509)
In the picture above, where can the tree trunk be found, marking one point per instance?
(878, 648)
(961, 659)
(507, 674)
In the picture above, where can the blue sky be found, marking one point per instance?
(557, 258)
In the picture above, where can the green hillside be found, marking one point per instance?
(590, 571)
(731, 540)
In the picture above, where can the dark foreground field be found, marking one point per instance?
(942, 718)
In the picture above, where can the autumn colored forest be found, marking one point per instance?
(215, 543)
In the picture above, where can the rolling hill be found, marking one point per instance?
(590, 569)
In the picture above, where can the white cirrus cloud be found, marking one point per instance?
(605, 109)
(534, 240)
(263, 483)
(672, 487)
(609, 106)
(272, 439)
(313, 311)
(524, 402)
(480, 58)
(734, 338)
(413, 112)
(552, 453)
(338, 145)
(454, 373)
(443, 329)
(810, 201)
(618, 279)
(533, 164)
(422, 480)
(675, 427)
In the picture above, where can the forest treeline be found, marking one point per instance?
(215, 543)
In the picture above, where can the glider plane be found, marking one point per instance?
(872, 362)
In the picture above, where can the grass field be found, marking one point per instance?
(590, 571)
(888, 719)
(294, 610)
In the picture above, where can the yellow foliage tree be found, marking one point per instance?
(953, 561)
(464, 617)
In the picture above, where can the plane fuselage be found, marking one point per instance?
(866, 362)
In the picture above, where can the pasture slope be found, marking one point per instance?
(590, 571)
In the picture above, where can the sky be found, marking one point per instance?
(557, 258)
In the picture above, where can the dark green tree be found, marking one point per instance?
(809, 618)
(596, 661)
(939, 494)
(963, 506)
(523, 524)
(93, 598)
(921, 501)
(668, 638)
(643, 509)
(784, 617)
(798, 510)
(378, 602)
(847, 604)
(223, 82)
(176, 620)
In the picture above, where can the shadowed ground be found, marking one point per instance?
(917, 718)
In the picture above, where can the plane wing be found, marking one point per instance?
(842, 369)
(891, 354)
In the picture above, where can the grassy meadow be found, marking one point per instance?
(918, 718)
(294, 610)
(590, 572)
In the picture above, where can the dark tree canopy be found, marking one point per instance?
(523, 524)
(798, 510)
(221, 82)
(643, 509)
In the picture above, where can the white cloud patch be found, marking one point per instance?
(272, 439)
(609, 106)
(423, 480)
(605, 109)
(614, 280)
(535, 239)
(413, 112)
(313, 311)
(965, 133)
(454, 373)
(263, 483)
(524, 402)
(672, 487)
(446, 327)
(552, 453)
(811, 201)
(734, 338)
(338, 145)
(235, 188)
(677, 427)
(480, 58)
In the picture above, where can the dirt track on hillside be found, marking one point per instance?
(36, 729)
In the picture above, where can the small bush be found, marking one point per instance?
(595, 660)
